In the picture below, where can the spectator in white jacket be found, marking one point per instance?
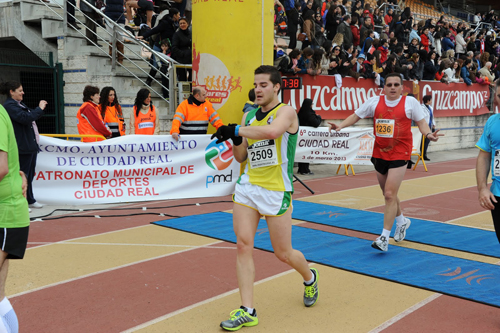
(451, 73)
(461, 46)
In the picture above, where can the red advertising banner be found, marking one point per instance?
(332, 102)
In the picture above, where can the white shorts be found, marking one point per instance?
(266, 202)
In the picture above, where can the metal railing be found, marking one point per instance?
(117, 30)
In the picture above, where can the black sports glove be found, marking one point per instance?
(224, 133)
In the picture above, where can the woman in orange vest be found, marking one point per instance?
(144, 119)
(89, 120)
(111, 111)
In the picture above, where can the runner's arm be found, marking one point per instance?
(240, 152)
(286, 117)
(426, 131)
(4, 164)
(351, 120)
(482, 170)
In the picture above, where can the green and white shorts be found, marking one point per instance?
(266, 202)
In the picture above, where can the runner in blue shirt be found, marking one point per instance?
(489, 157)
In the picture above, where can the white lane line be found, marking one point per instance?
(131, 244)
(405, 313)
(171, 314)
(109, 270)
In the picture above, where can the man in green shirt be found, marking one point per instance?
(14, 216)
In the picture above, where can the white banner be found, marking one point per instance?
(349, 146)
(133, 168)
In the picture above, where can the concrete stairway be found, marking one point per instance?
(40, 28)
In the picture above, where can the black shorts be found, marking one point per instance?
(383, 166)
(14, 241)
(145, 5)
(495, 213)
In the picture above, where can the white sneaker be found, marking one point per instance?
(29, 210)
(381, 244)
(35, 205)
(400, 232)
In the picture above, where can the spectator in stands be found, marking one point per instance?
(315, 64)
(384, 50)
(477, 18)
(357, 9)
(486, 72)
(453, 73)
(307, 117)
(250, 104)
(424, 39)
(366, 26)
(441, 74)
(476, 62)
(431, 67)
(413, 47)
(413, 72)
(414, 34)
(145, 5)
(144, 119)
(349, 60)
(308, 28)
(305, 62)
(293, 22)
(289, 63)
(378, 66)
(480, 42)
(388, 17)
(165, 29)
(319, 36)
(438, 39)
(390, 66)
(345, 29)
(181, 49)
(485, 57)
(446, 43)
(70, 15)
(355, 31)
(194, 114)
(25, 130)
(385, 32)
(461, 45)
(91, 18)
(333, 20)
(114, 11)
(464, 72)
(471, 44)
(367, 42)
(111, 111)
(89, 119)
(483, 80)
(448, 58)
(334, 61)
(393, 44)
(378, 20)
(430, 35)
(399, 31)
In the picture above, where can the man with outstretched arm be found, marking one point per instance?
(489, 157)
(265, 141)
(392, 115)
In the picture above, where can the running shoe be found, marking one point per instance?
(311, 293)
(381, 244)
(239, 318)
(400, 232)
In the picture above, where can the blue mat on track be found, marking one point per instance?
(462, 278)
(421, 231)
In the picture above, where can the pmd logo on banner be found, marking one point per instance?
(219, 156)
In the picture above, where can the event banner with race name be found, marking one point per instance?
(333, 102)
(349, 146)
(133, 168)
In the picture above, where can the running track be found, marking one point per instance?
(114, 274)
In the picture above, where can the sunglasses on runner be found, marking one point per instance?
(391, 84)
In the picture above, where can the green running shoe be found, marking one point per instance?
(311, 293)
(239, 318)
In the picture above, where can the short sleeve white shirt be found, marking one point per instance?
(413, 109)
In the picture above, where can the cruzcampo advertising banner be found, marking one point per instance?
(331, 101)
(133, 168)
(231, 38)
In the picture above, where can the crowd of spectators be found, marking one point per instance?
(351, 38)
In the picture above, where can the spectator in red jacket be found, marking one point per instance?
(384, 50)
(424, 39)
(388, 17)
(355, 31)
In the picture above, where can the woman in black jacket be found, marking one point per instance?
(23, 120)
(431, 67)
(293, 22)
(181, 48)
(307, 117)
